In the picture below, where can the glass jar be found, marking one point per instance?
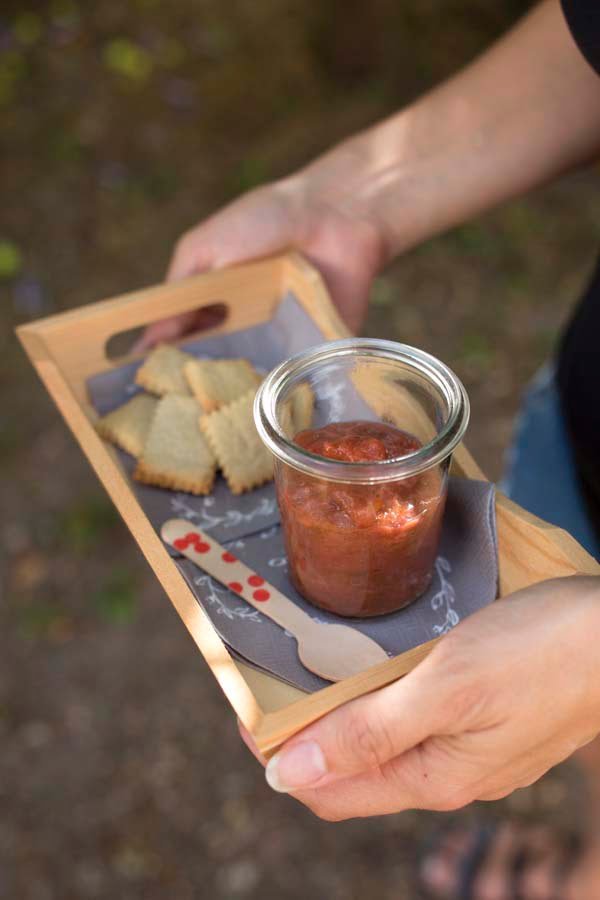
(361, 536)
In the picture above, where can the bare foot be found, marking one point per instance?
(510, 861)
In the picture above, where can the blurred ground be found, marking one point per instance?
(121, 772)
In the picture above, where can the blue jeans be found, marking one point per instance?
(541, 474)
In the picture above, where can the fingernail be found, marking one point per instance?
(299, 767)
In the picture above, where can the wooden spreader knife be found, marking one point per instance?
(334, 652)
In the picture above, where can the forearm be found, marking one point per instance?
(524, 112)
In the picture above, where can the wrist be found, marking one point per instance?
(567, 616)
(344, 182)
(389, 176)
(589, 596)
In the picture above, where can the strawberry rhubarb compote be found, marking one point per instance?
(360, 549)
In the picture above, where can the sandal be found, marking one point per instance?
(483, 838)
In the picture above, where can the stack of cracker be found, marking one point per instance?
(196, 419)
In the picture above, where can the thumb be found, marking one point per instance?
(364, 734)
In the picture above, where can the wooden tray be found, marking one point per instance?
(67, 348)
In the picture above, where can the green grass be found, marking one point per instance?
(13, 69)
(129, 60)
(11, 260)
(28, 28)
(383, 292)
(86, 522)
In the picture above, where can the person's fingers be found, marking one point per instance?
(349, 289)
(164, 331)
(406, 782)
(366, 733)
(257, 224)
(440, 773)
(347, 257)
(192, 255)
(510, 779)
(269, 220)
(451, 693)
(170, 329)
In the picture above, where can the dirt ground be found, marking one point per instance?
(121, 771)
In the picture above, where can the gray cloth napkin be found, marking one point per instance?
(466, 570)
(465, 579)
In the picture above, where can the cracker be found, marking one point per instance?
(233, 437)
(217, 382)
(162, 371)
(128, 425)
(303, 404)
(176, 455)
(296, 413)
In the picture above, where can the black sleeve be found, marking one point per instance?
(578, 375)
(583, 19)
(578, 381)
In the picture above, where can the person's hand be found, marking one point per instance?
(345, 247)
(508, 694)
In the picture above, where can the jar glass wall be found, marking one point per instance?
(362, 433)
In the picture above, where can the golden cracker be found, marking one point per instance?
(296, 412)
(128, 425)
(217, 382)
(162, 371)
(303, 404)
(175, 454)
(232, 435)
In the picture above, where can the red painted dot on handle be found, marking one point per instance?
(201, 547)
(228, 557)
(235, 586)
(191, 536)
(261, 596)
(181, 543)
(256, 580)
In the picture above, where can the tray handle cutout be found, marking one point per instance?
(76, 341)
(208, 317)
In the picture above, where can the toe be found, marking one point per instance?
(494, 879)
(440, 870)
(583, 879)
(544, 856)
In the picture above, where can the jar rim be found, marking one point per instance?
(430, 454)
